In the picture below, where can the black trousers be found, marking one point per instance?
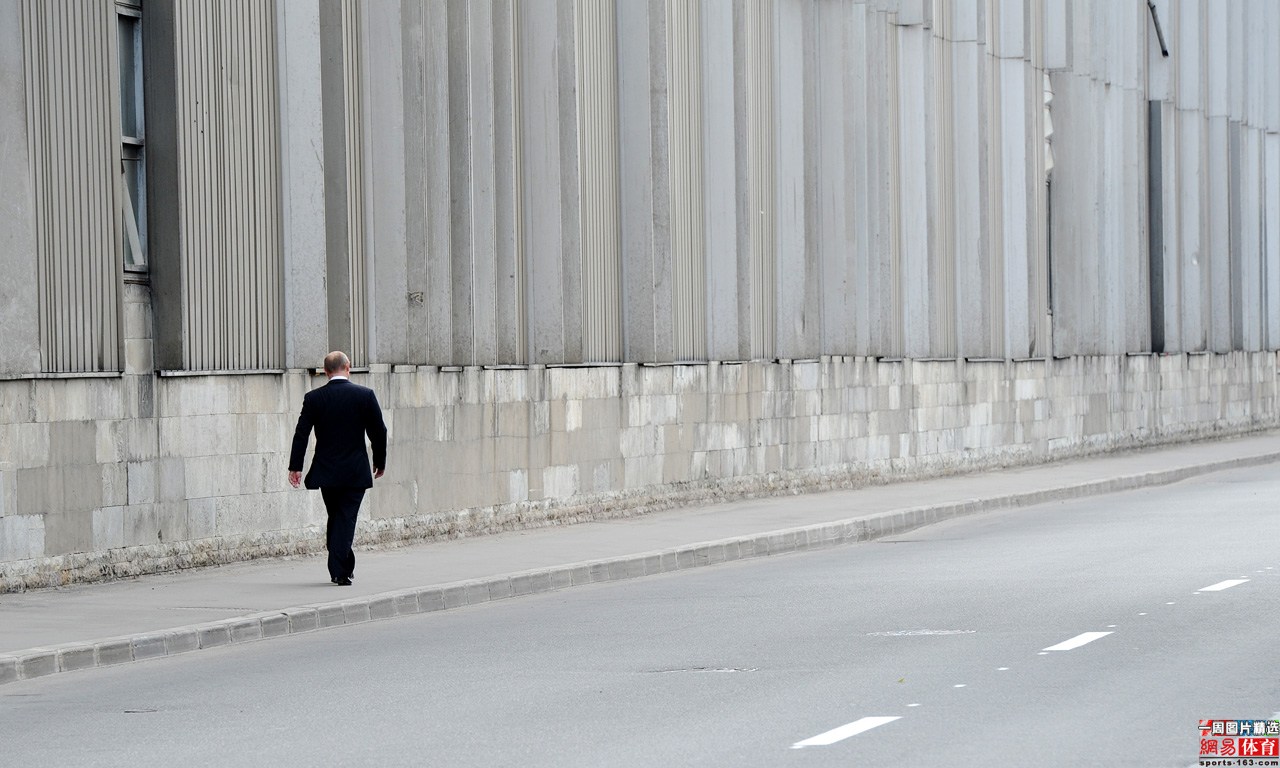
(343, 505)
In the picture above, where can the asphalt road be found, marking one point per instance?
(928, 649)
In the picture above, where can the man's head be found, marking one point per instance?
(337, 364)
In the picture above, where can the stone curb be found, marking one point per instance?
(39, 662)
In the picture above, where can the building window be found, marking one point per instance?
(132, 133)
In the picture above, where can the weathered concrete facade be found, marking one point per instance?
(155, 474)
(598, 256)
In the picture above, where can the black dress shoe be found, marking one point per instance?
(343, 582)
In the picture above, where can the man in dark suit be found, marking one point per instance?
(341, 413)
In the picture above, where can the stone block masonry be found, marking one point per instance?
(98, 482)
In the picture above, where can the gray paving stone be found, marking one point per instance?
(181, 641)
(37, 662)
(652, 564)
(521, 584)
(500, 588)
(330, 616)
(477, 592)
(79, 656)
(382, 608)
(214, 635)
(356, 612)
(245, 630)
(274, 625)
(147, 646)
(302, 620)
(406, 603)
(561, 578)
(580, 575)
(540, 582)
(455, 595)
(432, 599)
(8, 669)
(115, 651)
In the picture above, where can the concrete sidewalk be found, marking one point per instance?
(60, 630)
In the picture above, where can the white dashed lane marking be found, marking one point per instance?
(1077, 641)
(836, 735)
(843, 732)
(1228, 584)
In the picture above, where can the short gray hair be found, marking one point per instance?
(336, 361)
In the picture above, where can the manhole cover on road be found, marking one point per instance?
(914, 632)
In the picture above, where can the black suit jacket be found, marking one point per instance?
(341, 413)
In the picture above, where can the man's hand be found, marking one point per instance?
(377, 473)
(295, 478)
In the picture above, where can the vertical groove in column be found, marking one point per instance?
(246, 342)
(896, 338)
(508, 293)
(994, 198)
(684, 68)
(762, 173)
(945, 247)
(1039, 324)
(86, 53)
(354, 111)
(517, 121)
(74, 293)
(233, 90)
(271, 270)
(598, 193)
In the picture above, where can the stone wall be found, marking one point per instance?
(109, 477)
